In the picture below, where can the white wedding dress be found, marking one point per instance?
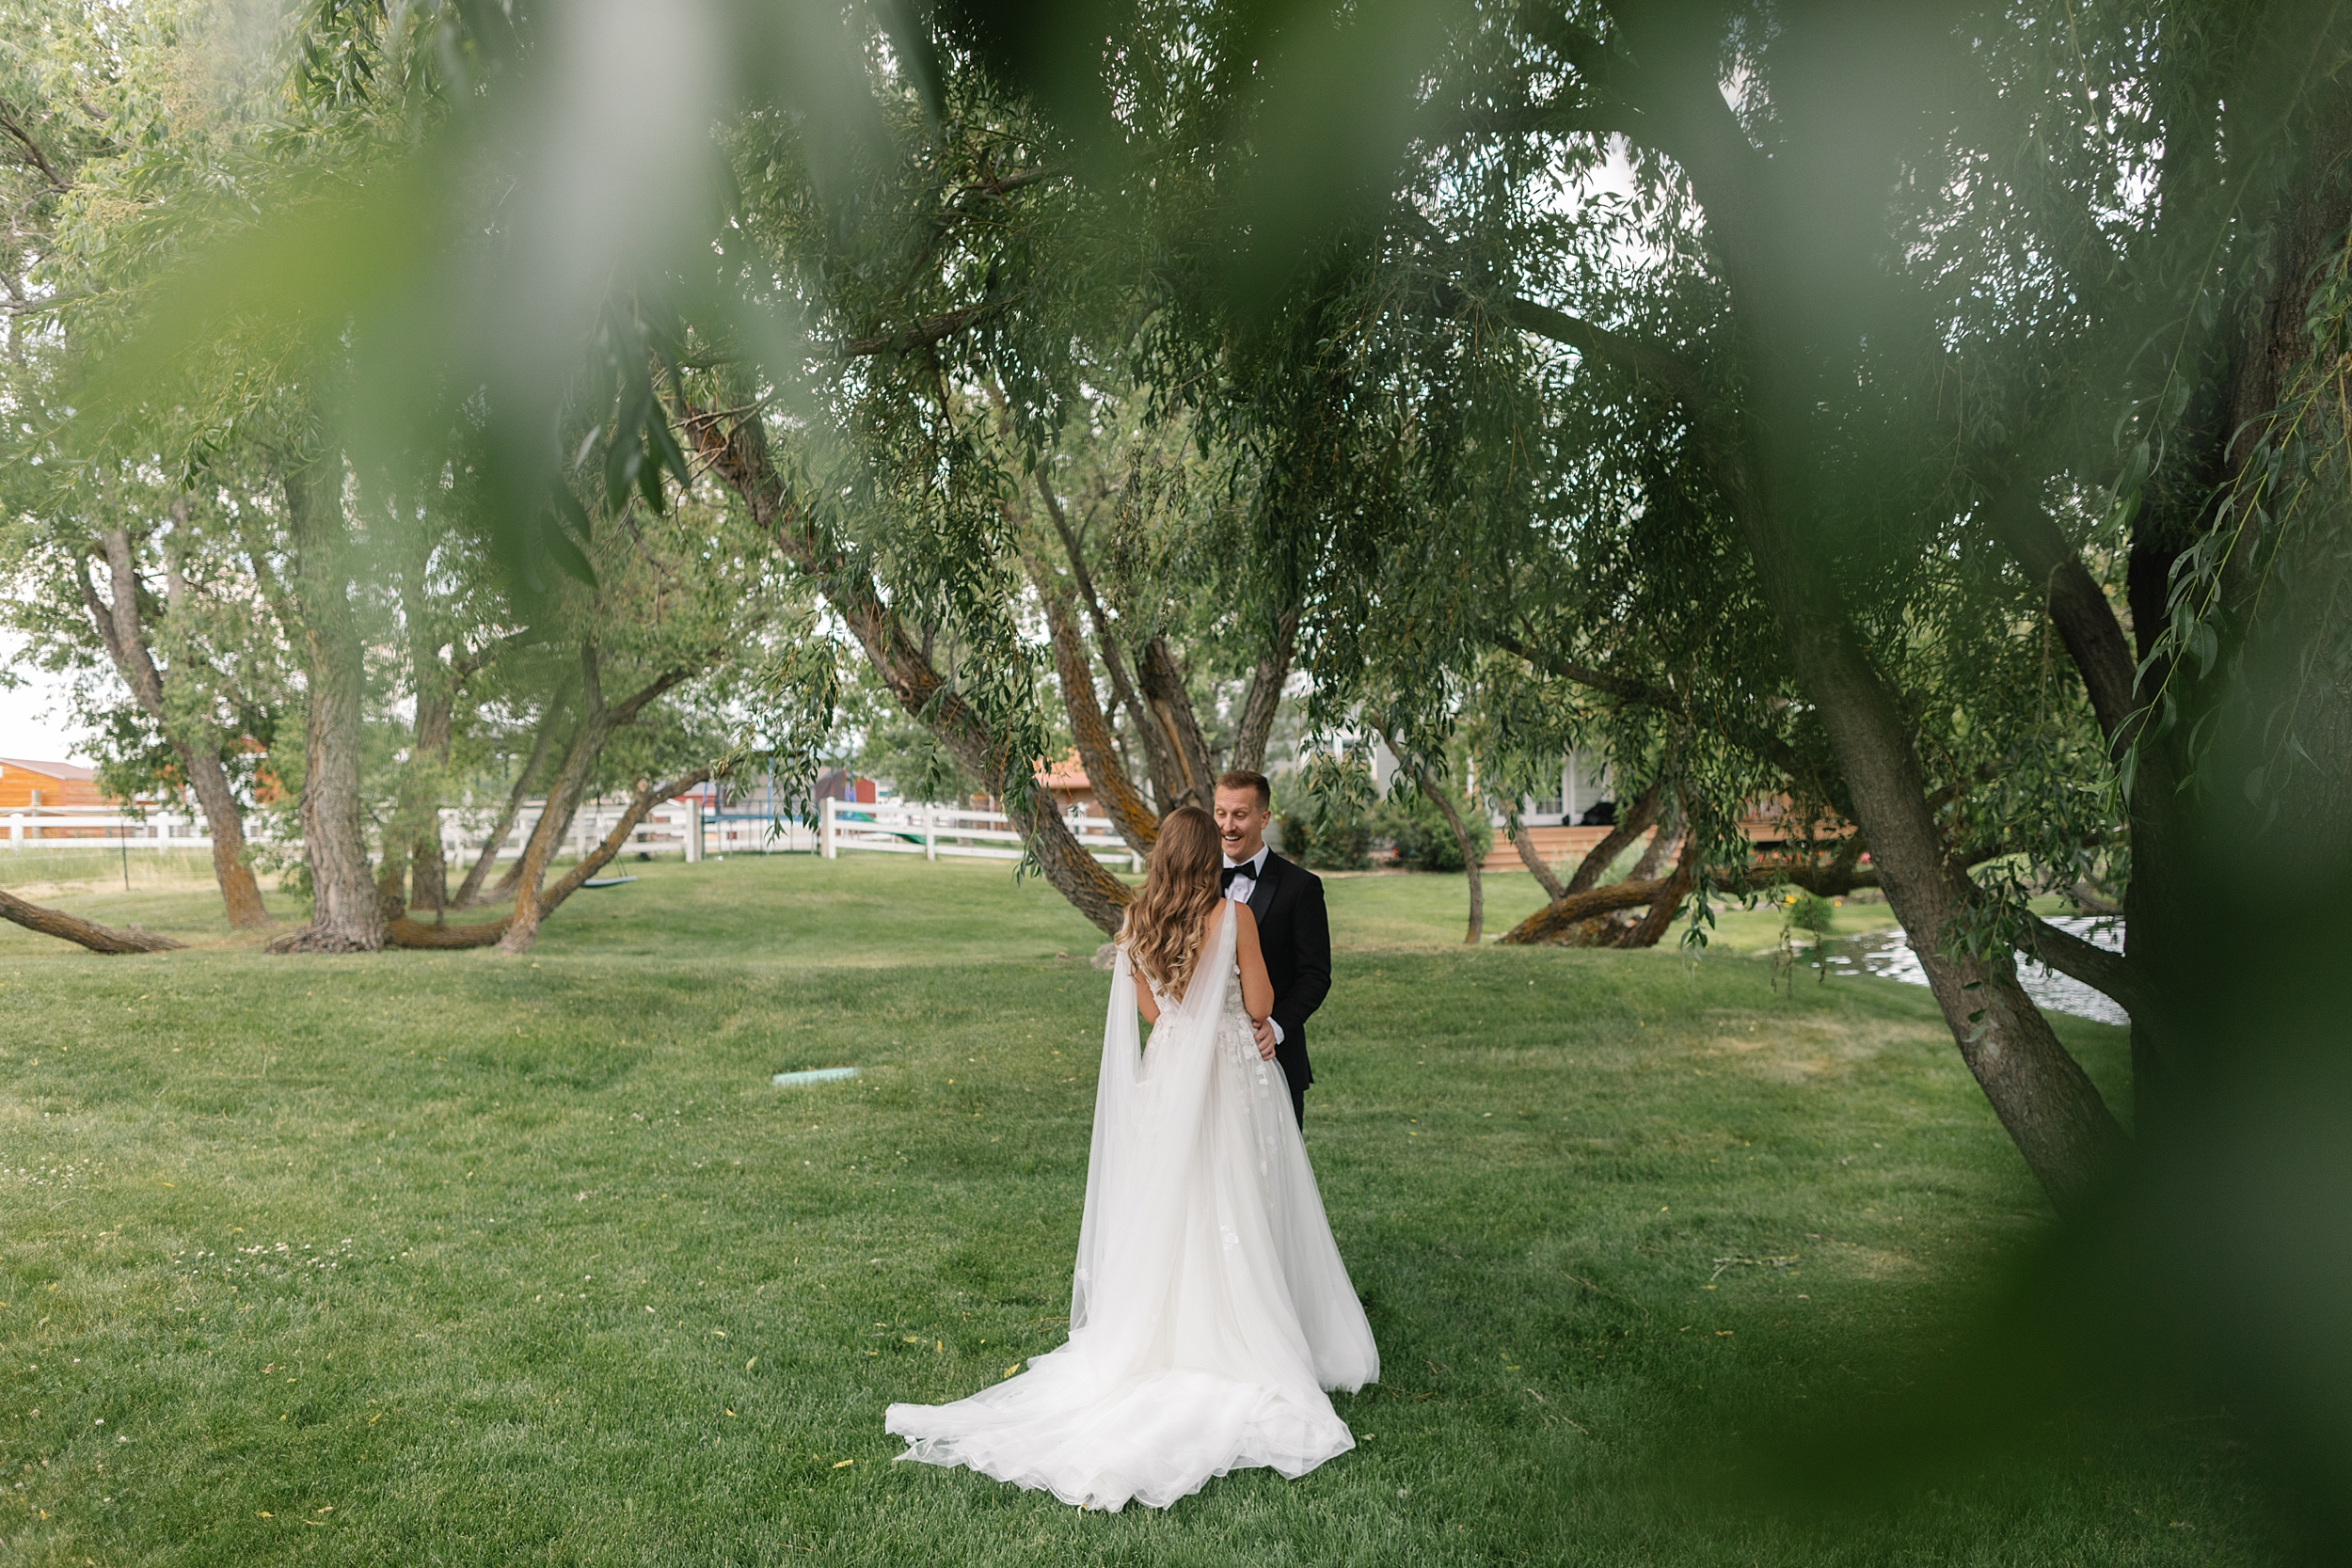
(1210, 1310)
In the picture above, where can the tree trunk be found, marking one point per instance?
(1437, 797)
(469, 890)
(1555, 924)
(428, 862)
(1158, 759)
(596, 723)
(564, 796)
(1659, 917)
(413, 874)
(1760, 449)
(344, 914)
(738, 453)
(1170, 702)
(416, 828)
(2042, 1095)
(1631, 824)
(72, 928)
(120, 628)
(1529, 858)
(412, 933)
(1129, 812)
(1264, 695)
(1662, 842)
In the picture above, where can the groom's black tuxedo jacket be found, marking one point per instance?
(1295, 935)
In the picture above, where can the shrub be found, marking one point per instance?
(1343, 843)
(1420, 838)
(1811, 912)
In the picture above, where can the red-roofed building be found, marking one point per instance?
(1067, 781)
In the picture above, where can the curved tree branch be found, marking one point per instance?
(2112, 975)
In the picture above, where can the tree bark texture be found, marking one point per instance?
(73, 928)
(1265, 694)
(412, 874)
(1662, 842)
(119, 627)
(1130, 812)
(345, 916)
(1159, 760)
(1521, 841)
(1555, 924)
(1659, 917)
(1168, 701)
(738, 453)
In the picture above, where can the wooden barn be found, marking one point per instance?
(25, 784)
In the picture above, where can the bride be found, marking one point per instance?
(1210, 1310)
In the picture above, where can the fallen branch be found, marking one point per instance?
(88, 933)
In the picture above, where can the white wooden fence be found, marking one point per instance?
(83, 827)
(672, 828)
(932, 832)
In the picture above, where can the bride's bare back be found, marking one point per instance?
(1256, 990)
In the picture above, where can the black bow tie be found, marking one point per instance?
(1225, 877)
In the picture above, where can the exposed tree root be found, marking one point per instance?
(311, 939)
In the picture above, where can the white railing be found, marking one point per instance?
(83, 828)
(671, 827)
(931, 832)
(757, 836)
(685, 828)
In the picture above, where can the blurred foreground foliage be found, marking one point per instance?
(1925, 424)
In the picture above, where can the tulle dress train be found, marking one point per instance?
(1210, 1311)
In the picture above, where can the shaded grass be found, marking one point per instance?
(449, 1258)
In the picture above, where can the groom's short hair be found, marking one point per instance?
(1242, 778)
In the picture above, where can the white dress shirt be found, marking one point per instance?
(1239, 890)
(1241, 887)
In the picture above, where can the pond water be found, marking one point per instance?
(1888, 952)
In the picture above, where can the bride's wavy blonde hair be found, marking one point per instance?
(1165, 923)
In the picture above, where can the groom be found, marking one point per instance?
(1293, 930)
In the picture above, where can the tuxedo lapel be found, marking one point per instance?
(1262, 892)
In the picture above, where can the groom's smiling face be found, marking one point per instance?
(1240, 823)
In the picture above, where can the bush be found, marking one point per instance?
(1343, 843)
(1422, 839)
(1811, 912)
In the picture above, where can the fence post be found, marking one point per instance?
(824, 829)
(931, 831)
(693, 829)
(16, 830)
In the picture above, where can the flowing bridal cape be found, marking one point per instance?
(1210, 1310)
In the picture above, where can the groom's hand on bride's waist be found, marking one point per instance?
(1268, 1037)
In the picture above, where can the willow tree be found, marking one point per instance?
(1802, 443)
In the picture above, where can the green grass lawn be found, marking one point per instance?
(449, 1258)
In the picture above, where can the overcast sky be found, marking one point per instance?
(29, 726)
